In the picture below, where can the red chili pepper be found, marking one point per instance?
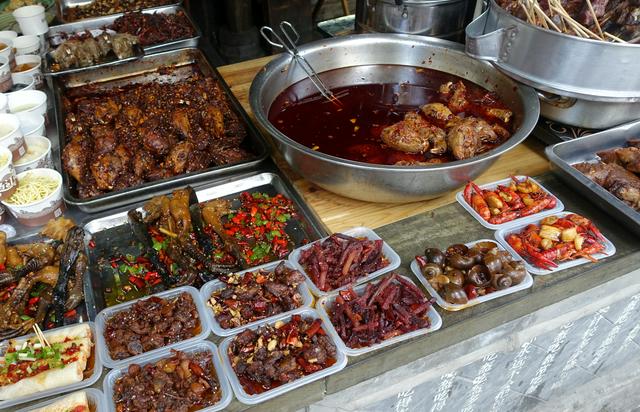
(114, 265)
(92, 244)
(471, 292)
(33, 301)
(139, 283)
(150, 275)
(314, 328)
(2, 267)
(70, 314)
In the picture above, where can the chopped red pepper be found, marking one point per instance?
(471, 291)
(92, 243)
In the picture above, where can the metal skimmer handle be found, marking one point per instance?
(291, 35)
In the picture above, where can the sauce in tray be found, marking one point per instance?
(352, 131)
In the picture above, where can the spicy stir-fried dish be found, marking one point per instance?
(154, 28)
(182, 382)
(256, 295)
(42, 282)
(151, 324)
(434, 117)
(105, 7)
(129, 135)
(277, 354)
(618, 171)
(462, 273)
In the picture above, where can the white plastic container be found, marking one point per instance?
(41, 211)
(505, 182)
(6, 81)
(244, 397)
(11, 136)
(197, 347)
(26, 102)
(41, 159)
(8, 174)
(526, 283)
(31, 19)
(324, 304)
(26, 76)
(390, 254)
(94, 396)
(105, 314)
(91, 376)
(8, 34)
(502, 234)
(208, 288)
(32, 124)
(29, 44)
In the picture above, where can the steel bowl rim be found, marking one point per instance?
(528, 96)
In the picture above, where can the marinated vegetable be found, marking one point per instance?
(341, 259)
(183, 382)
(274, 355)
(557, 239)
(388, 308)
(256, 295)
(462, 273)
(150, 324)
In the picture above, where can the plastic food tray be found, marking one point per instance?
(558, 208)
(244, 397)
(101, 323)
(327, 301)
(90, 380)
(526, 283)
(94, 396)
(501, 236)
(197, 347)
(390, 254)
(207, 290)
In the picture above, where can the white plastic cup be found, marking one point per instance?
(4, 103)
(26, 76)
(24, 102)
(8, 34)
(5, 75)
(32, 124)
(11, 136)
(38, 155)
(41, 211)
(8, 180)
(29, 44)
(30, 84)
(31, 19)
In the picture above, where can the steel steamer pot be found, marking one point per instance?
(382, 183)
(582, 82)
(445, 19)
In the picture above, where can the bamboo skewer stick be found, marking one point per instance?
(595, 18)
(615, 38)
(40, 335)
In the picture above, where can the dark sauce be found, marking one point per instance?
(352, 130)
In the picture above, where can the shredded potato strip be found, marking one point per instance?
(32, 188)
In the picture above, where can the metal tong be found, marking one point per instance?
(291, 35)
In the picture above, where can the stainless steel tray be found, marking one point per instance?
(564, 155)
(99, 23)
(111, 232)
(110, 60)
(63, 5)
(143, 71)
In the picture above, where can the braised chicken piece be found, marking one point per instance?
(106, 170)
(627, 157)
(178, 157)
(180, 120)
(74, 158)
(155, 138)
(503, 115)
(414, 134)
(122, 44)
(455, 94)
(620, 182)
(466, 137)
(104, 139)
(437, 111)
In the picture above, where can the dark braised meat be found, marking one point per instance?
(84, 50)
(105, 7)
(620, 182)
(414, 135)
(150, 324)
(390, 307)
(256, 295)
(138, 133)
(627, 157)
(274, 355)
(341, 259)
(180, 383)
(154, 28)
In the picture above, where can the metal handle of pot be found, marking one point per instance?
(562, 102)
(492, 46)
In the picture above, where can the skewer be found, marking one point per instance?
(167, 232)
(43, 340)
(618, 39)
(291, 35)
(595, 18)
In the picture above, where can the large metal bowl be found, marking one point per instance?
(381, 183)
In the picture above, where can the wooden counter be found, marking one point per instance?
(340, 213)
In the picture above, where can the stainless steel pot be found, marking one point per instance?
(595, 83)
(379, 183)
(445, 19)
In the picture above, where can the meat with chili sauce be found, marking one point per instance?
(181, 383)
(154, 28)
(150, 324)
(341, 259)
(386, 309)
(277, 354)
(256, 295)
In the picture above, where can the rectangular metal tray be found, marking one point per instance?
(112, 231)
(63, 5)
(143, 71)
(99, 23)
(564, 155)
